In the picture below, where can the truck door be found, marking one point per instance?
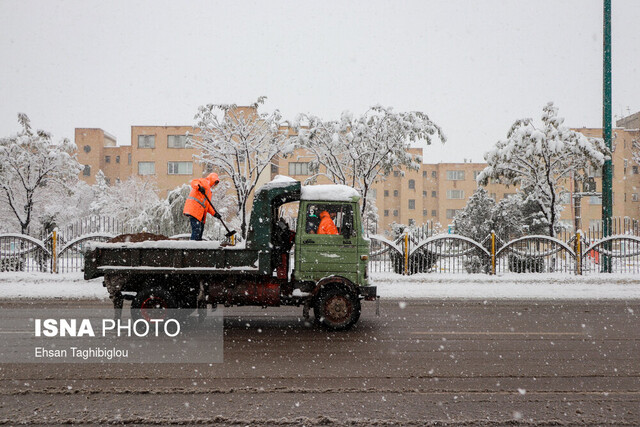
(327, 243)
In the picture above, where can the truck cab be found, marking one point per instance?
(342, 253)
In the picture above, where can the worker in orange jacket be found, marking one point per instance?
(326, 224)
(196, 207)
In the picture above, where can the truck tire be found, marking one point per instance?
(151, 299)
(336, 308)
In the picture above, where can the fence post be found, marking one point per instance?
(493, 252)
(406, 253)
(578, 253)
(54, 251)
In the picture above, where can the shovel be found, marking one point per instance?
(229, 232)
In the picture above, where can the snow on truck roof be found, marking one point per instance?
(331, 192)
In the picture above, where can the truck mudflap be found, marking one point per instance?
(369, 293)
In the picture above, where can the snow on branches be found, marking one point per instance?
(358, 151)
(239, 143)
(30, 166)
(542, 160)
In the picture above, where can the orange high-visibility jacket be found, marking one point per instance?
(196, 204)
(326, 224)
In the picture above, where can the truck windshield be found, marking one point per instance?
(321, 217)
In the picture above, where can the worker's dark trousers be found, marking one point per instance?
(197, 228)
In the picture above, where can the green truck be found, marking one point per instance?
(329, 274)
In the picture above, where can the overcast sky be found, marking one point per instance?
(473, 66)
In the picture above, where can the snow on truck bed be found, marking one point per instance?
(166, 244)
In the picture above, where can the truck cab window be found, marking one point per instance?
(319, 218)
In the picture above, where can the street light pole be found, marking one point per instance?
(607, 197)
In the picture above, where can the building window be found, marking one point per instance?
(396, 173)
(146, 168)
(455, 194)
(299, 168)
(595, 200)
(493, 196)
(434, 194)
(434, 174)
(87, 148)
(565, 198)
(425, 212)
(274, 169)
(412, 204)
(87, 170)
(176, 141)
(395, 212)
(396, 193)
(434, 213)
(386, 193)
(146, 141)
(634, 197)
(424, 174)
(594, 172)
(424, 193)
(373, 193)
(455, 175)
(634, 170)
(412, 184)
(129, 158)
(180, 168)
(475, 175)
(107, 159)
(117, 159)
(386, 212)
(451, 213)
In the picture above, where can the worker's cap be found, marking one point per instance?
(213, 179)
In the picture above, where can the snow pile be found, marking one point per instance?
(19, 285)
(332, 192)
(508, 286)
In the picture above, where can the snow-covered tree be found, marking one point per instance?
(239, 143)
(542, 160)
(482, 214)
(359, 151)
(128, 201)
(30, 166)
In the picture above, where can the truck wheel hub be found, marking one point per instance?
(337, 308)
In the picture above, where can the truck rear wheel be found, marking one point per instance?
(337, 309)
(148, 303)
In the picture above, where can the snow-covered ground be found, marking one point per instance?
(457, 286)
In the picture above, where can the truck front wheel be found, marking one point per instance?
(337, 309)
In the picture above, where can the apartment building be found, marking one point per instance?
(434, 192)
(98, 150)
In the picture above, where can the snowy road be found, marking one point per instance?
(421, 361)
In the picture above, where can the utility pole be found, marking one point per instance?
(607, 198)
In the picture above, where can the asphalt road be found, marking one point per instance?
(419, 363)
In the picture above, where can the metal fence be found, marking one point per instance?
(423, 250)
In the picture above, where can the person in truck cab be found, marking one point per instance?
(327, 226)
(197, 206)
